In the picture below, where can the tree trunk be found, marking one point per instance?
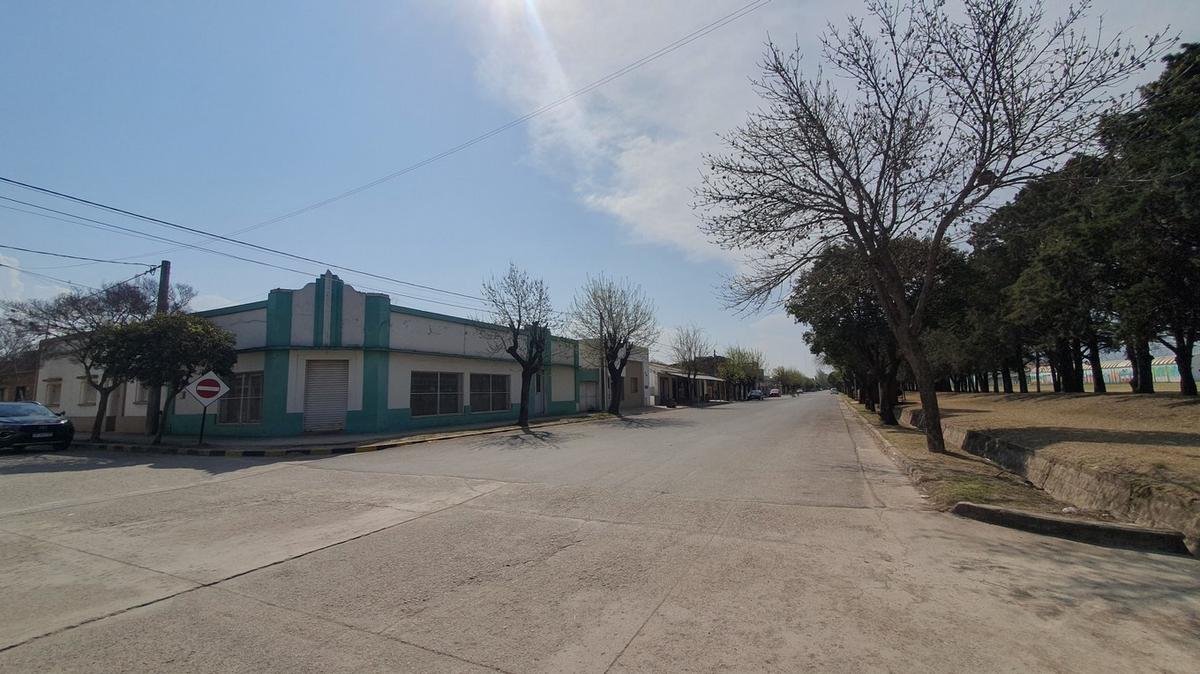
(101, 412)
(1037, 370)
(162, 418)
(887, 398)
(1183, 361)
(1077, 365)
(526, 384)
(1007, 378)
(984, 387)
(1055, 382)
(618, 390)
(1145, 370)
(1097, 369)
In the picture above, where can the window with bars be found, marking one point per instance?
(243, 403)
(489, 392)
(435, 393)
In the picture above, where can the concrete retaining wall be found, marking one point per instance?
(1079, 485)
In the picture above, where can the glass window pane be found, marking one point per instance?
(480, 402)
(480, 383)
(448, 403)
(449, 382)
(500, 383)
(423, 404)
(253, 411)
(424, 382)
(499, 401)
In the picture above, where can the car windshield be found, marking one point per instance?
(14, 410)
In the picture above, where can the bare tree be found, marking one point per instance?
(520, 305)
(930, 113)
(78, 325)
(612, 319)
(689, 347)
(16, 345)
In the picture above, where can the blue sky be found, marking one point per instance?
(223, 114)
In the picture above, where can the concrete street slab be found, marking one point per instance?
(609, 505)
(46, 587)
(518, 592)
(34, 481)
(757, 606)
(214, 631)
(212, 531)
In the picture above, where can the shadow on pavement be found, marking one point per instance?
(32, 462)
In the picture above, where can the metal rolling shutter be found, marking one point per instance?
(326, 387)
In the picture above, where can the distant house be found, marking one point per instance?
(673, 385)
(595, 388)
(18, 377)
(328, 358)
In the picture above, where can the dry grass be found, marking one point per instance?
(1148, 439)
(957, 476)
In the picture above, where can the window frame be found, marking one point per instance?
(87, 394)
(54, 385)
(240, 392)
(439, 394)
(491, 392)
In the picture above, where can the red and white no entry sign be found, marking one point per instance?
(207, 388)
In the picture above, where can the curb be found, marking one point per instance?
(914, 473)
(1096, 533)
(313, 451)
(227, 453)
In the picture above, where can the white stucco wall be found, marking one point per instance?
(303, 314)
(248, 327)
(402, 365)
(562, 352)
(420, 333)
(354, 306)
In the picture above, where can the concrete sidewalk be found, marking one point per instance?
(327, 444)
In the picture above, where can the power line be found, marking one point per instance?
(620, 72)
(220, 237)
(45, 276)
(108, 226)
(73, 257)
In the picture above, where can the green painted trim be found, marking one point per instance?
(377, 321)
(276, 366)
(374, 413)
(236, 309)
(319, 313)
(335, 312)
(588, 375)
(279, 318)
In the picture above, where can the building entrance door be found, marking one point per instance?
(326, 388)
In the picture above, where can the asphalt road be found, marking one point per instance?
(761, 536)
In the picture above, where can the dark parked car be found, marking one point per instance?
(29, 423)
(754, 395)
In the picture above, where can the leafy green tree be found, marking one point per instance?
(170, 349)
(1155, 204)
(743, 368)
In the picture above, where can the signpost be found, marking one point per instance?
(207, 389)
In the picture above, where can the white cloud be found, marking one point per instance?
(631, 148)
(781, 341)
(11, 285)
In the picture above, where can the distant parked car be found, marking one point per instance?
(774, 393)
(833, 391)
(754, 395)
(28, 423)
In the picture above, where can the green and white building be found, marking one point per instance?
(328, 358)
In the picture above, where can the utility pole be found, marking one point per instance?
(604, 366)
(154, 394)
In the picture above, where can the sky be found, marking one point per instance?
(224, 115)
